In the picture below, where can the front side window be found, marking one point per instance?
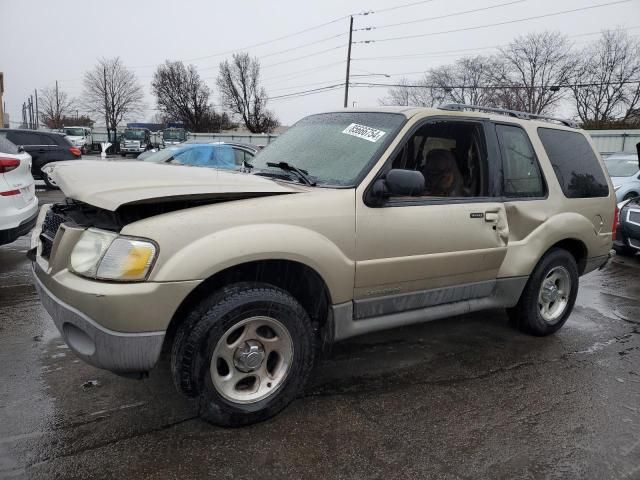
(451, 156)
(334, 148)
(521, 175)
(574, 163)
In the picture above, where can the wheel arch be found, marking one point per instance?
(303, 282)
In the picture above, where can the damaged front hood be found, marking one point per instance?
(111, 184)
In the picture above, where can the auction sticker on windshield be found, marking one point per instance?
(364, 132)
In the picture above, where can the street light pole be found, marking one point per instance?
(346, 83)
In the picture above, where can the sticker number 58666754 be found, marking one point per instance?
(364, 132)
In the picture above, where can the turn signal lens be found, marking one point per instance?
(75, 151)
(127, 260)
(616, 221)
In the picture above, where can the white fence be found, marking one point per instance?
(613, 141)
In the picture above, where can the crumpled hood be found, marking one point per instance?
(110, 184)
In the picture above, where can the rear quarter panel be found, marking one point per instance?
(535, 226)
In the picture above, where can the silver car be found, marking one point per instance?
(625, 175)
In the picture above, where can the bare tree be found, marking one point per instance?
(241, 93)
(112, 91)
(55, 104)
(532, 66)
(181, 94)
(601, 84)
(466, 81)
(409, 93)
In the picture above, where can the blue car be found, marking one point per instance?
(213, 155)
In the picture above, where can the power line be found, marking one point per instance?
(255, 45)
(494, 87)
(428, 19)
(478, 27)
(308, 92)
(302, 57)
(303, 72)
(459, 50)
(397, 7)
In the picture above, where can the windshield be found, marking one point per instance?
(174, 135)
(622, 167)
(334, 148)
(134, 134)
(199, 155)
(74, 132)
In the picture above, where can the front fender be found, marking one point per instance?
(218, 251)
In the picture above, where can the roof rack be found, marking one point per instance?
(461, 107)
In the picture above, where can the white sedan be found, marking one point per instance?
(18, 202)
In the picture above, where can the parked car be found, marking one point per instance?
(80, 137)
(627, 240)
(136, 141)
(351, 222)
(44, 148)
(18, 202)
(624, 170)
(215, 155)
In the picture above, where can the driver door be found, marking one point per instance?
(420, 251)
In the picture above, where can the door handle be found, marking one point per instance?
(492, 217)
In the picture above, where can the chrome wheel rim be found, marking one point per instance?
(553, 297)
(251, 360)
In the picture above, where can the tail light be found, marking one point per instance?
(8, 164)
(75, 151)
(9, 193)
(616, 221)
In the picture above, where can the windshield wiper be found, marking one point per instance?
(287, 167)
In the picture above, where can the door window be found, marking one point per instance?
(521, 176)
(451, 156)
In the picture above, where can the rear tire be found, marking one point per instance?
(549, 295)
(625, 251)
(246, 352)
(629, 196)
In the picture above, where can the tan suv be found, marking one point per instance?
(351, 222)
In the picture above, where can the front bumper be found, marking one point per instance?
(115, 351)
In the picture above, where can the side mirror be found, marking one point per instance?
(398, 182)
(405, 183)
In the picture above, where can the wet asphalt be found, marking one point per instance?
(461, 398)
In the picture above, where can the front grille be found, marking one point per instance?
(634, 216)
(50, 226)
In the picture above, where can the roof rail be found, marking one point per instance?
(461, 107)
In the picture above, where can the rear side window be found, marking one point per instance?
(574, 163)
(521, 175)
(22, 138)
(6, 145)
(60, 140)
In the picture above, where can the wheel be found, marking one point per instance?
(49, 182)
(83, 150)
(245, 352)
(549, 295)
(629, 196)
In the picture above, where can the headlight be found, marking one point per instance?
(107, 256)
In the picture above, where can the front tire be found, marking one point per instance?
(51, 185)
(246, 352)
(549, 295)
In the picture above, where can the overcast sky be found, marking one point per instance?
(42, 41)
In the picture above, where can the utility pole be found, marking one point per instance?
(106, 106)
(58, 119)
(346, 83)
(37, 113)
